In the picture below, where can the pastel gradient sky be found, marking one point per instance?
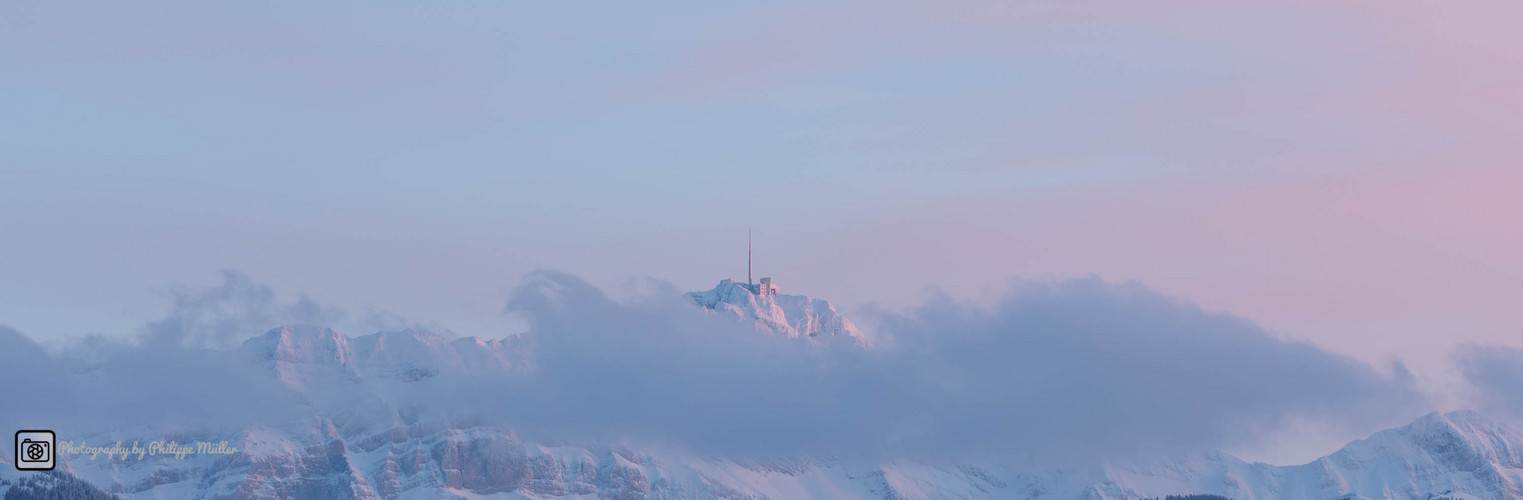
(1341, 172)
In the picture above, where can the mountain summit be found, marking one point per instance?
(1457, 455)
(789, 315)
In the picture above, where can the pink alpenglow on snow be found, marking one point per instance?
(788, 315)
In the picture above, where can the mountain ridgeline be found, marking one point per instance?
(352, 440)
(795, 316)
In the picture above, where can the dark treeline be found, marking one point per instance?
(54, 485)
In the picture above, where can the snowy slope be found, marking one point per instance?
(789, 315)
(1457, 455)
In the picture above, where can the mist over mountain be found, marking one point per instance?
(1073, 389)
(993, 249)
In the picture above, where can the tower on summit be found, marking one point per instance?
(766, 287)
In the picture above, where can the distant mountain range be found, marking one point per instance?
(353, 441)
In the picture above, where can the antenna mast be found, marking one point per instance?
(748, 256)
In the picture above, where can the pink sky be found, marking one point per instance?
(1345, 173)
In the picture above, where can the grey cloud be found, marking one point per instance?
(231, 311)
(103, 385)
(179, 370)
(1496, 372)
(1069, 369)
(238, 307)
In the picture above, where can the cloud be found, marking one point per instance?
(104, 385)
(179, 370)
(1071, 369)
(1047, 371)
(1496, 372)
(237, 308)
(228, 313)
(1117, 368)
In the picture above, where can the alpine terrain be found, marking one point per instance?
(351, 440)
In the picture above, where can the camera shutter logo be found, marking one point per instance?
(35, 450)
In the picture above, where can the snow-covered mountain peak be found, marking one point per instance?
(1464, 439)
(299, 353)
(789, 315)
(1454, 454)
(406, 354)
(1470, 425)
(476, 353)
(301, 344)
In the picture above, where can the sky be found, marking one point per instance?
(1339, 173)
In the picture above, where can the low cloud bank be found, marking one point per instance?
(1066, 369)
(103, 385)
(1075, 369)
(176, 372)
